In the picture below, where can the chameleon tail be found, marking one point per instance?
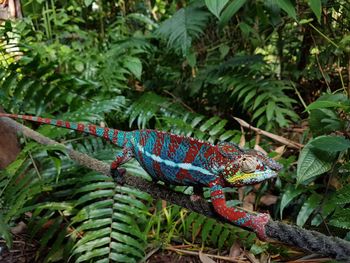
(119, 138)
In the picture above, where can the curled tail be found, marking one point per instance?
(119, 138)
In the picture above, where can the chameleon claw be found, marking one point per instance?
(259, 223)
(118, 175)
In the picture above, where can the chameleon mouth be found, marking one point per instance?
(251, 178)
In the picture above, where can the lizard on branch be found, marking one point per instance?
(181, 160)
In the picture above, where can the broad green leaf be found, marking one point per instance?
(191, 59)
(216, 6)
(326, 104)
(291, 192)
(308, 207)
(313, 162)
(230, 11)
(316, 8)
(288, 7)
(331, 143)
(134, 65)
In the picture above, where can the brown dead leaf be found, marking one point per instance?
(20, 228)
(251, 257)
(268, 199)
(204, 258)
(235, 250)
(259, 148)
(249, 201)
(242, 141)
(334, 182)
(280, 151)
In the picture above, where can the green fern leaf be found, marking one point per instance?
(183, 27)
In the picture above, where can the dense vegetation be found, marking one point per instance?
(187, 67)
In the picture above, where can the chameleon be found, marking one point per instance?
(181, 160)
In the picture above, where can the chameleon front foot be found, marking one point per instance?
(118, 175)
(259, 222)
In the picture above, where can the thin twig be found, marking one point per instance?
(275, 137)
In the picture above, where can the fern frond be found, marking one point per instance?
(183, 27)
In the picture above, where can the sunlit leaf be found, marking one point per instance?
(313, 162)
(230, 11)
(316, 6)
(216, 6)
(331, 143)
(288, 7)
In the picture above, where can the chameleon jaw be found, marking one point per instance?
(240, 178)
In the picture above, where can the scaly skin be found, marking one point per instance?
(186, 161)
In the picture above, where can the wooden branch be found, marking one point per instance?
(275, 137)
(291, 235)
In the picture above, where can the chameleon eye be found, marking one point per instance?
(248, 164)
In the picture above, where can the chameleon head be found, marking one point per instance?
(247, 169)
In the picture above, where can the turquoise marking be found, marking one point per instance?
(74, 126)
(99, 131)
(110, 134)
(136, 143)
(215, 188)
(242, 221)
(169, 171)
(120, 138)
(147, 158)
(221, 196)
(53, 122)
(35, 118)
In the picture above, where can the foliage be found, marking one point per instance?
(325, 155)
(180, 66)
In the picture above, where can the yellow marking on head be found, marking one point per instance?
(239, 176)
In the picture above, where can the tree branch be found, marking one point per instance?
(291, 235)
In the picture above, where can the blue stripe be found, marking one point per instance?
(168, 171)
(201, 161)
(120, 138)
(147, 160)
(128, 137)
(215, 188)
(181, 151)
(110, 134)
(53, 122)
(136, 138)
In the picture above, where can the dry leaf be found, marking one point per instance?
(204, 258)
(235, 250)
(268, 199)
(260, 149)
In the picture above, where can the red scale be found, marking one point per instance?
(156, 151)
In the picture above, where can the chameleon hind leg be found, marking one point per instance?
(121, 158)
(253, 221)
